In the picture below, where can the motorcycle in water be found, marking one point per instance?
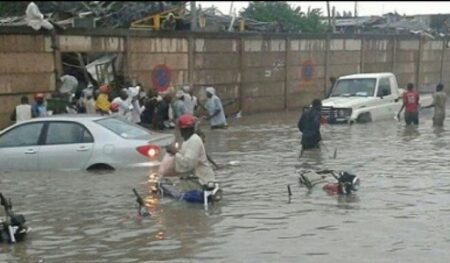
(163, 186)
(209, 194)
(346, 184)
(13, 228)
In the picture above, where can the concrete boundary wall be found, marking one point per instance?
(260, 72)
(26, 66)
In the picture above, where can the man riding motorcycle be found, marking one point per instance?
(191, 163)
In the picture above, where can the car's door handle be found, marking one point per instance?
(82, 149)
(30, 151)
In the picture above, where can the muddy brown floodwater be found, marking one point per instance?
(400, 214)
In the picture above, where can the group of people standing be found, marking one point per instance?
(161, 110)
(150, 109)
(25, 111)
(185, 102)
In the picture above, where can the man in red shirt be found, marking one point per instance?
(411, 105)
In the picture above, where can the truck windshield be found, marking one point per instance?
(354, 87)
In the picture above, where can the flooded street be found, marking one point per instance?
(400, 213)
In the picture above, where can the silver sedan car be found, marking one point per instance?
(78, 142)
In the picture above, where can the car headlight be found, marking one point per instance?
(344, 112)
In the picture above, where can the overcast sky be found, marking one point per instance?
(364, 8)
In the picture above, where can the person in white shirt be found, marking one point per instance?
(89, 91)
(124, 103)
(89, 103)
(22, 112)
(191, 162)
(133, 94)
(216, 114)
(190, 101)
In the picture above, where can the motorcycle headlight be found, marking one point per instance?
(355, 184)
(348, 182)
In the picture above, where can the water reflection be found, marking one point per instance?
(347, 201)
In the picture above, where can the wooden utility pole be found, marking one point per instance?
(194, 16)
(330, 28)
(83, 65)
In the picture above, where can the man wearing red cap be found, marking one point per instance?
(191, 163)
(39, 107)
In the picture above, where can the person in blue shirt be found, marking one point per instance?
(178, 105)
(39, 107)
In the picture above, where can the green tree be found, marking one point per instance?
(291, 19)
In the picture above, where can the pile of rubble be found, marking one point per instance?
(106, 14)
(212, 19)
(394, 24)
(114, 14)
(133, 14)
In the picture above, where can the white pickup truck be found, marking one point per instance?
(365, 98)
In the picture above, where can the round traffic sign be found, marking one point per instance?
(161, 76)
(307, 70)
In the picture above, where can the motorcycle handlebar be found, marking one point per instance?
(6, 204)
(3, 200)
(138, 198)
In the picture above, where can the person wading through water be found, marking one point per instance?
(411, 105)
(216, 115)
(439, 101)
(309, 126)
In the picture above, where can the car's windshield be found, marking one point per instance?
(124, 129)
(354, 87)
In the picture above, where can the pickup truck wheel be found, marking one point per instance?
(364, 118)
